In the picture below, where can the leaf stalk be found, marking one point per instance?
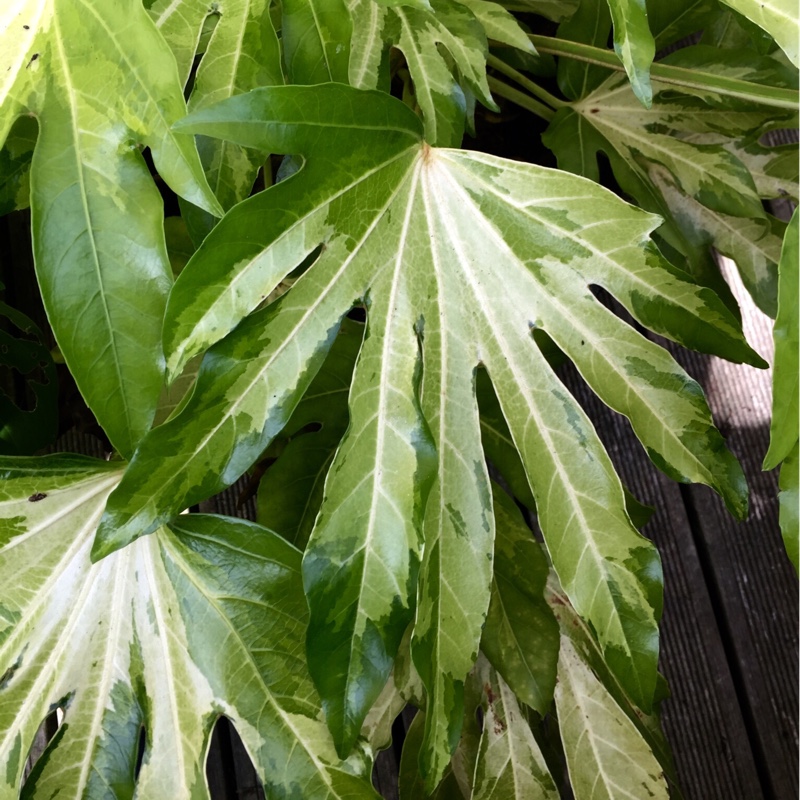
(521, 99)
(774, 96)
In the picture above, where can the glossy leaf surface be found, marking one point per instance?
(429, 247)
(202, 619)
(101, 82)
(671, 158)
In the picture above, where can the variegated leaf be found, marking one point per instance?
(671, 158)
(510, 765)
(201, 619)
(101, 82)
(419, 32)
(606, 756)
(458, 256)
(520, 638)
(785, 385)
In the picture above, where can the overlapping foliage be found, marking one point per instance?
(370, 338)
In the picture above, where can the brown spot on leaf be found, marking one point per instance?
(35, 498)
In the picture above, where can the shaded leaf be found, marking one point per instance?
(779, 18)
(15, 165)
(29, 390)
(202, 619)
(520, 639)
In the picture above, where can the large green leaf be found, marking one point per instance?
(420, 33)
(458, 255)
(201, 619)
(634, 44)
(786, 333)
(100, 81)
(606, 756)
(675, 159)
(779, 18)
(521, 634)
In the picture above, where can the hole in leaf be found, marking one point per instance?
(229, 768)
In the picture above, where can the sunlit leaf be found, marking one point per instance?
(201, 619)
(458, 255)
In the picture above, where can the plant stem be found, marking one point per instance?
(678, 76)
(526, 83)
(520, 98)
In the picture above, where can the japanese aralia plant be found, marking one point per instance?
(362, 314)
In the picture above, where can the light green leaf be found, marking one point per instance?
(783, 431)
(521, 634)
(585, 644)
(634, 44)
(499, 25)
(779, 18)
(510, 765)
(316, 40)
(202, 619)
(489, 248)
(420, 33)
(606, 756)
(789, 499)
(101, 81)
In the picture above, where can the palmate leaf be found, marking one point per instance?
(458, 255)
(201, 619)
(419, 33)
(672, 159)
(100, 81)
(779, 18)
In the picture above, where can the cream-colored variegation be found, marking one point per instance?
(156, 640)
(606, 756)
